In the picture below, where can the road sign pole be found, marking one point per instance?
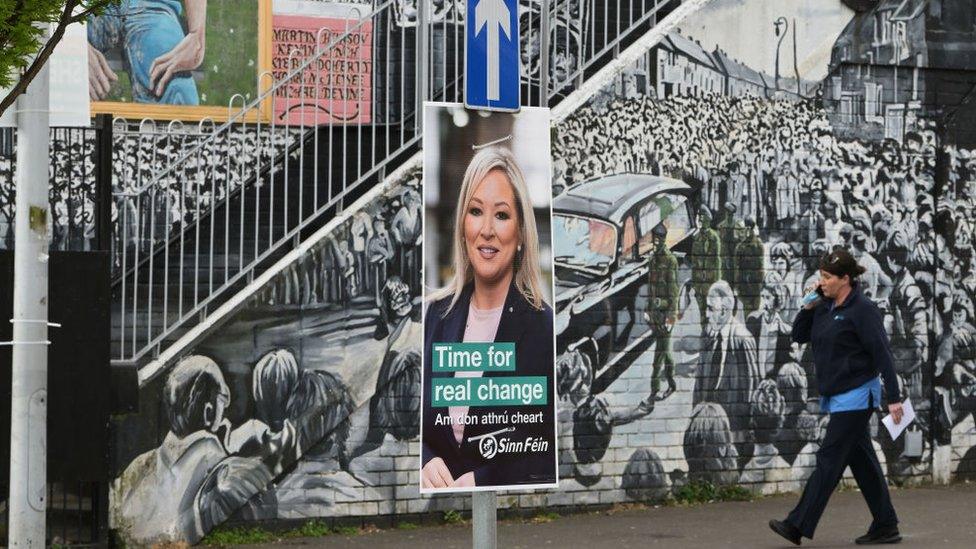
(544, 56)
(28, 418)
(484, 518)
(423, 34)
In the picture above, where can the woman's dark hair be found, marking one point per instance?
(841, 263)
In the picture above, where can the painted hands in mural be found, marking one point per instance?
(100, 75)
(187, 54)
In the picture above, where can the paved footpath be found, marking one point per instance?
(930, 517)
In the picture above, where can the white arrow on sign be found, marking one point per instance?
(492, 14)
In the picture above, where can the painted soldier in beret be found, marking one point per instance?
(663, 308)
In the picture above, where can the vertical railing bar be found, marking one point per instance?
(370, 102)
(444, 80)
(301, 149)
(182, 256)
(212, 168)
(227, 213)
(315, 138)
(457, 59)
(359, 135)
(345, 137)
(286, 203)
(152, 255)
(196, 230)
(152, 241)
(135, 268)
(257, 181)
(333, 129)
(387, 84)
(421, 60)
(124, 216)
(403, 88)
(272, 174)
(243, 193)
(544, 54)
(72, 193)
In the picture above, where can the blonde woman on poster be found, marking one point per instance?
(495, 295)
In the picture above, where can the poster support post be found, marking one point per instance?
(484, 519)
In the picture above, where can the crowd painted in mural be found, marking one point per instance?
(144, 212)
(306, 401)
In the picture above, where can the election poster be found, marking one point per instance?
(178, 59)
(488, 419)
(337, 86)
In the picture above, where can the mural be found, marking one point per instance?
(176, 59)
(341, 89)
(310, 385)
(675, 363)
(763, 174)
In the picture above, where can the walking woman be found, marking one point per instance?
(850, 350)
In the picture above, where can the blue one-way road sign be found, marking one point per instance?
(491, 61)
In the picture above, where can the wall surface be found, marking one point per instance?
(304, 404)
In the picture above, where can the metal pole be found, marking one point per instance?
(544, 55)
(484, 506)
(421, 70)
(28, 418)
(796, 68)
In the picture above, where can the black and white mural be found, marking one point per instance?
(314, 384)
(145, 212)
(760, 152)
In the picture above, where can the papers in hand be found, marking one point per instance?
(908, 416)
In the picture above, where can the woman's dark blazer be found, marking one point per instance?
(531, 330)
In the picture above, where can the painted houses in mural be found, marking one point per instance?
(681, 66)
(898, 62)
(741, 80)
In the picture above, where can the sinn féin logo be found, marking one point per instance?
(489, 446)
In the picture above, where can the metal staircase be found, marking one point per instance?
(227, 209)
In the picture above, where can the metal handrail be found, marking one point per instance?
(259, 186)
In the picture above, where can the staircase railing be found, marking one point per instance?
(239, 196)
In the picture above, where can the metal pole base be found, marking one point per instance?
(484, 507)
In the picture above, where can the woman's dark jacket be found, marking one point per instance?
(531, 330)
(850, 346)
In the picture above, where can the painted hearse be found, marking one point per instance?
(602, 240)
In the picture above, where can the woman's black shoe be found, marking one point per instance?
(880, 536)
(789, 532)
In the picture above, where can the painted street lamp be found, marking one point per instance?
(780, 23)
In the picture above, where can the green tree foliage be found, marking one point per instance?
(24, 47)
